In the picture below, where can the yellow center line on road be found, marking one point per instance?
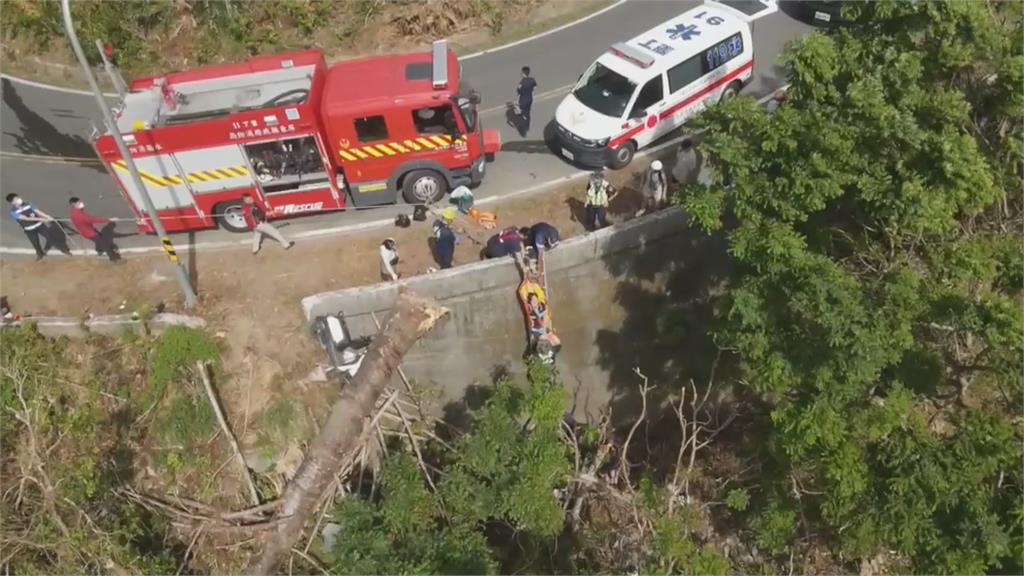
(48, 158)
(542, 96)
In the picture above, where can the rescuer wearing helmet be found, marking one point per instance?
(445, 239)
(653, 187)
(598, 199)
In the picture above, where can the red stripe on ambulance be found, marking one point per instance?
(619, 140)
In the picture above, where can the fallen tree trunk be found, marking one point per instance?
(413, 318)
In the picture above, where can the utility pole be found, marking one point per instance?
(108, 116)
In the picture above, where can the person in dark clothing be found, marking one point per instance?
(507, 242)
(541, 234)
(36, 223)
(444, 245)
(84, 223)
(524, 93)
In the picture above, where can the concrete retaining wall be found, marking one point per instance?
(469, 279)
(113, 325)
(587, 279)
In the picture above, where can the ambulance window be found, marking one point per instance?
(371, 129)
(435, 120)
(682, 75)
(652, 93)
(604, 90)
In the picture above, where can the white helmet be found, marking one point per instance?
(656, 165)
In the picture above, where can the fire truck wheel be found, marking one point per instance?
(423, 187)
(622, 156)
(229, 216)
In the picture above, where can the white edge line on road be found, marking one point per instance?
(538, 98)
(466, 57)
(544, 33)
(51, 86)
(347, 229)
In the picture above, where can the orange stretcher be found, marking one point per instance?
(544, 342)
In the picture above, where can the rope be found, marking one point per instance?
(399, 207)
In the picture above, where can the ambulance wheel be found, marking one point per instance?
(229, 216)
(423, 187)
(730, 91)
(622, 156)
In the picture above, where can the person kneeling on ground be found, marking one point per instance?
(507, 242)
(256, 220)
(540, 235)
(84, 225)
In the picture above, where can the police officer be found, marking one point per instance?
(524, 93)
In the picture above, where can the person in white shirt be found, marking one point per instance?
(687, 166)
(388, 260)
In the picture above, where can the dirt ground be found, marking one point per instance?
(253, 302)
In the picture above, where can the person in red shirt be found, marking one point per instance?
(257, 222)
(84, 224)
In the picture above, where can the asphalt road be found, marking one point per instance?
(37, 121)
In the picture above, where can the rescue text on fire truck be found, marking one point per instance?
(299, 136)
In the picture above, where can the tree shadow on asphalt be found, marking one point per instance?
(668, 290)
(39, 137)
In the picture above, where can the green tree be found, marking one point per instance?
(873, 222)
(65, 453)
(505, 470)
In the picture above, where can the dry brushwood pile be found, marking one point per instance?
(119, 457)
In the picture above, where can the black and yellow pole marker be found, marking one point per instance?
(108, 117)
(169, 248)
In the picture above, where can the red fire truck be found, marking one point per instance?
(298, 136)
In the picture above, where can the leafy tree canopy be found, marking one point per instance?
(873, 220)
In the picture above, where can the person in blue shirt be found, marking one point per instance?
(541, 234)
(35, 223)
(524, 93)
(444, 244)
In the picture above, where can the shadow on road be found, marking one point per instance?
(38, 136)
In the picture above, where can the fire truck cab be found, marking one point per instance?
(298, 136)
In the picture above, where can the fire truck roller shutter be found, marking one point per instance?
(216, 168)
(160, 176)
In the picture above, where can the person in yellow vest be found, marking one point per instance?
(598, 199)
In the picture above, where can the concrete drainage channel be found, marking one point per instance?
(113, 325)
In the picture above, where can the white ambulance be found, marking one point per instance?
(642, 89)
